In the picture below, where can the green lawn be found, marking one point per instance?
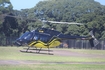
(53, 67)
(51, 62)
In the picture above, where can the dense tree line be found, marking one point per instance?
(88, 12)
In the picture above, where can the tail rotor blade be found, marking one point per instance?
(96, 42)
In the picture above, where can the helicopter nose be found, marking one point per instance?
(18, 42)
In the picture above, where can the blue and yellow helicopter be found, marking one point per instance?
(49, 38)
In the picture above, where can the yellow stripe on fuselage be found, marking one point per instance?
(40, 44)
(32, 43)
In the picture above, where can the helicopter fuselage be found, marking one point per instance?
(45, 38)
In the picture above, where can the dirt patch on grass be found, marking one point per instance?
(75, 54)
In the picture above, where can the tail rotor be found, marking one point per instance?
(93, 41)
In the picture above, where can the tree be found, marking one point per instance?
(9, 25)
(5, 6)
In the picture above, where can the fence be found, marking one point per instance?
(82, 44)
(7, 41)
(76, 44)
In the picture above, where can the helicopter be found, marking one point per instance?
(50, 38)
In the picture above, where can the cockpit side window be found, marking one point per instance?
(36, 36)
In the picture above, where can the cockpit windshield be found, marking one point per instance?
(27, 35)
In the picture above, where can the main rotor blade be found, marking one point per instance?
(19, 17)
(6, 15)
(65, 22)
(43, 21)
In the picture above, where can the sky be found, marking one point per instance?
(25, 4)
(101, 1)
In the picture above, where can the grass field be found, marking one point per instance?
(12, 59)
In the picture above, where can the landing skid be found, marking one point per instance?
(36, 50)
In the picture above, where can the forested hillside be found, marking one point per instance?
(88, 12)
